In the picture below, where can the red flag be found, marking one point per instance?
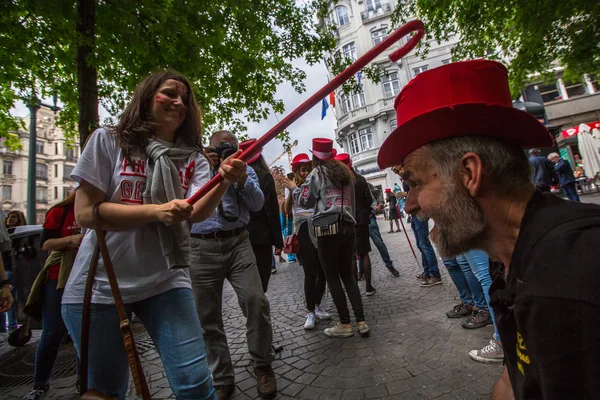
(332, 99)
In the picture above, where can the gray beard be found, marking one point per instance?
(461, 226)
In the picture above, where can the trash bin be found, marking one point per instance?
(28, 261)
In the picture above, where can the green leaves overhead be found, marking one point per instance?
(528, 36)
(235, 52)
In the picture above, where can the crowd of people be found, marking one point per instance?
(521, 260)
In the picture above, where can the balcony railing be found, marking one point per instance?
(379, 12)
(41, 178)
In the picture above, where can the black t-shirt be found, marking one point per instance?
(548, 308)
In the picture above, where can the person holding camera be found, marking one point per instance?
(221, 249)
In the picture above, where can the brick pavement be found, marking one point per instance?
(414, 351)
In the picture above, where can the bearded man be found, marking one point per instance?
(462, 150)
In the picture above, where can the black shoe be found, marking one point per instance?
(460, 310)
(224, 391)
(361, 277)
(393, 270)
(431, 281)
(479, 319)
(273, 270)
(371, 291)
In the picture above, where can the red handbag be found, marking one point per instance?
(291, 244)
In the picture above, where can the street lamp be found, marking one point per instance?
(34, 104)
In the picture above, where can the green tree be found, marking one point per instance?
(235, 52)
(528, 36)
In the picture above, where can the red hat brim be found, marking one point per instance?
(317, 154)
(470, 119)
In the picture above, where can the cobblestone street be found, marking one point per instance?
(414, 351)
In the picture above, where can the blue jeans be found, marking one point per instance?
(430, 262)
(11, 314)
(571, 191)
(468, 286)
(480, 265)
(53, 330)
(287, 227)
(375, 235)
(172, 322)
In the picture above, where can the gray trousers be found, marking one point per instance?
(213, 261)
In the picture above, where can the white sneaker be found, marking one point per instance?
(492, 353)
(339, 330)
(310, 321)
(321, 315)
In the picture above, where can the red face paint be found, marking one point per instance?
(161, 99)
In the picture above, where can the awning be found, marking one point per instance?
(567, 133)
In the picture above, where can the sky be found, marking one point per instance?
(304, 129)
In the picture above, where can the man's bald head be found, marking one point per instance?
(223, 136)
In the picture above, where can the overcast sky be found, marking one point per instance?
(304, 129)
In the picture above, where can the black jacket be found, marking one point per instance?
(363, 200)
(564, 172)
(265, 225)
(543, 171)
(548, 307)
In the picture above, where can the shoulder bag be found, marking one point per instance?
(141, 386)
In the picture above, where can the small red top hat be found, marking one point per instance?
(323, 149)
(244, 145)
(459, 99)
(301, 158)
(344, 158)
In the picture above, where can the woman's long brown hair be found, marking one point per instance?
(21, 220)
(299, 179)
(334, 170)
(136, 125)
(70, 199)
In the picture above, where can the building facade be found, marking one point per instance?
(54, 163)
(365, 119)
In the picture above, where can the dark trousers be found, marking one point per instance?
(264, 258)
(53, 330)
(571, 191)
(335, 253)
(314, 277)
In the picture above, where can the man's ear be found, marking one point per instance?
(471, 168)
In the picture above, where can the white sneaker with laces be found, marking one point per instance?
(340, 330)
(492, 353)
(310, 321)
(322, 315)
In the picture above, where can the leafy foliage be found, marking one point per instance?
(528, 36)
(235, 52)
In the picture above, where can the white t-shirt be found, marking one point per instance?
(296, 209)
(136, 253)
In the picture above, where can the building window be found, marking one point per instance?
(366, 138)
(55, 192)
(358, 100)
(549, 92)
(67, 170)
(67, 191)
(41, 195)
(342, 15)
(56, 171)
(7, 167)
(393, 125)
(39, 147)
(575, 89)
(346, 103)
(56, 148)
(391, 85)
(70, 153)
(446, 61)
(354, 147)
(349, 51)
(418, 70)
(6, 192)
(373, 5)
(41, 171)
(379, 36)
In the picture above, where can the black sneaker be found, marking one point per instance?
(371, 291)
(422, 276)
(479, 319)
(432, 281)
(460, 310)
(37, 392)
(393, 270)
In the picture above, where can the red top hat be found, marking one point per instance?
(344, 158)
(244, 145)
(459, 99)
(301, 158)
(323, 149)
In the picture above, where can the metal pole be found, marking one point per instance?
(34, 106)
